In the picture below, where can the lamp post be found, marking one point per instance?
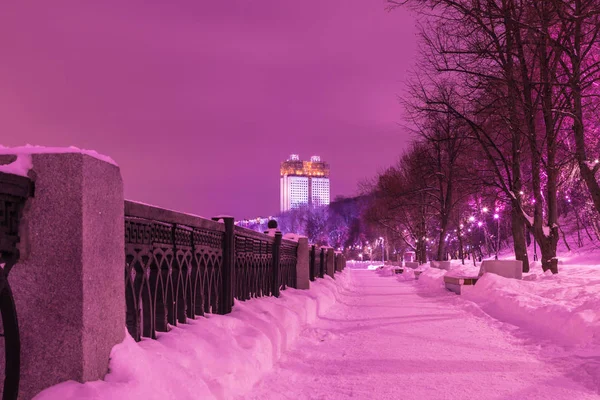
(497, 218)
(382, 251)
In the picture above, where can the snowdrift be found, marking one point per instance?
(218, 356)
(563, 308)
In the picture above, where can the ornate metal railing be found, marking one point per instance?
(253, 264)
(173, 271)
(287, 265)
(14, 191)
(179, 266)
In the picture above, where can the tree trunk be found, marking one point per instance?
(519, 241)
(441, 254)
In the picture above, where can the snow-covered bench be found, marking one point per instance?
(506, 268)
(411, 264)
(440, 264)
(457, 284)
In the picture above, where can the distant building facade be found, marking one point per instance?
(304, 183)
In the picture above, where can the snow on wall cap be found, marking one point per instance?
(29, 149)
(20, 166)
(293, 237)
(222, 216)
(167, 209)
(272, 232)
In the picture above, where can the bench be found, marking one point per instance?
(411, 264)
(398, 270)
(457, 284)
(506, 268)
(440, 264)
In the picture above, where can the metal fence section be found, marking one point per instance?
(253, 264)
(180, 266)
(287, 265)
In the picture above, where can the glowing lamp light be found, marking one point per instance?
(521, 193)
(461, 226)
(496, 216)
(480, 224)
(485, 209)
(596, 161)
(497, 209)
(472, 218)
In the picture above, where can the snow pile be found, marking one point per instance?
(459, 270)
(292, 236)
(220, 356)
(353, 264)
(30, 149)
(20, 166)
(407, 275)
(432, 279)
(564, 308)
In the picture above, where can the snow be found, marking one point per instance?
(167, 209)
(20, 166)
(30, 149)
(217, 357)
(223, 216)
(375, 334)
(398, 340)
(272, 231)
(292, 236)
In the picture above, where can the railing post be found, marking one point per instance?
(312, 262)
(330, 262)
(276, 263)
(322, 263)
(227, 274)
(303, 264)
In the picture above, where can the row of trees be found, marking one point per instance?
(338, 225)
(504, 109)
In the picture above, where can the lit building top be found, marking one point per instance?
(294, 167)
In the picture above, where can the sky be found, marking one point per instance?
(199, 101)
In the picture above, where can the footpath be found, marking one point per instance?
(386, 339)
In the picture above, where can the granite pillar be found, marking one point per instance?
(69, 282)
(303, 264)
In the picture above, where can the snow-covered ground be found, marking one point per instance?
(217, 357)
(557, 314)
(373, 334)
(387, 339)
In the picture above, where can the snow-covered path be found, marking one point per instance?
(385, 340)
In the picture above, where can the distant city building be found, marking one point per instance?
(304, 183)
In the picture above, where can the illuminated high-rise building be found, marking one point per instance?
(304, 183)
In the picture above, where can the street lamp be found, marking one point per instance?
(497, 218)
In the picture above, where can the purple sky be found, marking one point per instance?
(199, 101)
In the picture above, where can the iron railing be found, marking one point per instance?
(173, 271)
(14, 191)
(179, 266)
